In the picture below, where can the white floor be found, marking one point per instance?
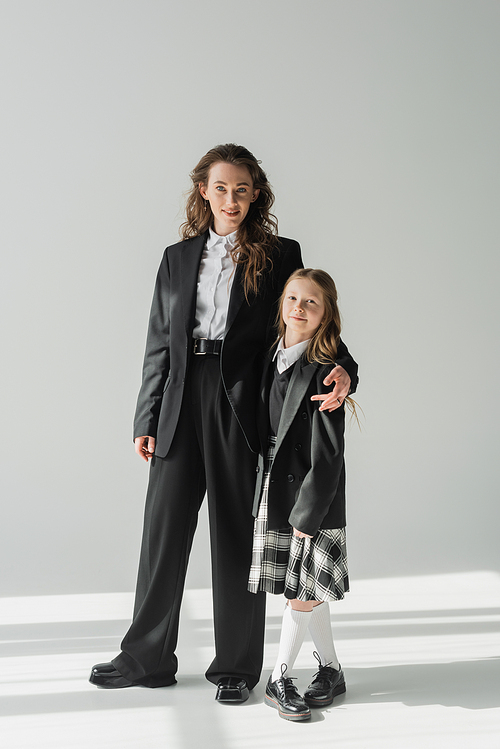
(422, 666)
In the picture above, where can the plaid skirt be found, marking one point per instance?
(310, 569)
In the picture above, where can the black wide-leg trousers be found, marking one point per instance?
(209, 453)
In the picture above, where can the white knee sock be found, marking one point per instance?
(320, 629)
(293, 631)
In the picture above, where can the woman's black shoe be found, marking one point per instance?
(232, 689)
(106, 676)
(282, 694)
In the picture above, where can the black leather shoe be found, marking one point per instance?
(232, 689)
(282, 694)
(105, 675)
(326, 684)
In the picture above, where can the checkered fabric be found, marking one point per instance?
(310, 569)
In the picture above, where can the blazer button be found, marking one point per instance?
(291, 477)
(298, 446)
(304, 415)
(257, 469)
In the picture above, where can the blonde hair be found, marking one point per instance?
(322, 347)
(257, 234)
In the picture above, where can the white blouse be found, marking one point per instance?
(215, 280)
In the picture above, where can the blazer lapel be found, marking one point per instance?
(236, 298)
(299, 382)
(190, 258)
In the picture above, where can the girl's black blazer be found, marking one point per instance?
(307, 481)
(247, 337)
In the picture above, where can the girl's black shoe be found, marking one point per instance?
(282, 694)
(326, 684)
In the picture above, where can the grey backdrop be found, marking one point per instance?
(378, 124)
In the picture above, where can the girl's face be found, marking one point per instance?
(303, 310)
(230, 192)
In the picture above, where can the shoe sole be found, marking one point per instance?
(286, 716)
(312, 702)
(95, 681)
(111, 686)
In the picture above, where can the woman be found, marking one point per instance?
(209, 327)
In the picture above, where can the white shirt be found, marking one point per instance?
(215, 280)
(288, 356)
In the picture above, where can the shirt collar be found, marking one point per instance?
(288, 356)
(228, 242)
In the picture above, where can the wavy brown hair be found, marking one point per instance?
(257, 234)
(323, 345)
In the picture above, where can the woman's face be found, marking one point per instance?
(303, 310)
(229, 191)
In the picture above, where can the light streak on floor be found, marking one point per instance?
(421, 657)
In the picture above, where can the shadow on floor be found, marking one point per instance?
(473, 685)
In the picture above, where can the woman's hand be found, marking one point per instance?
(299, 534)
(145, 447)
(333, 400)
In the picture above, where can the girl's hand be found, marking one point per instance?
(299, 534)
(145, 447)
(335, 399)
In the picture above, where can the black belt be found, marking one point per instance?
(202, 346)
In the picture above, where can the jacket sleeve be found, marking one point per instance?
(291, 261)
(345, 360)
(320, 484)
(156, 358)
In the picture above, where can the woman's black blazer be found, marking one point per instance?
(307, 481)
(247, 337)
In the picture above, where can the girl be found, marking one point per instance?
(195, 419)
(299, 536)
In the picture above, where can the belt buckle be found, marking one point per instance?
(199, 353)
